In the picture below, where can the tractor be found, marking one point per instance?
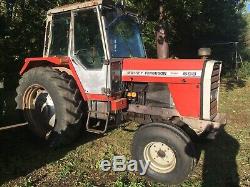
(94, 74)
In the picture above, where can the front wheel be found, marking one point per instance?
(169, 151)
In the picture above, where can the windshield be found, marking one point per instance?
(124, 36)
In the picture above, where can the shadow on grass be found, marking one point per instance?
(21, 153)
(233, 83)
(220, 167)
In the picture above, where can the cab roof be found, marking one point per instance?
(76, 6)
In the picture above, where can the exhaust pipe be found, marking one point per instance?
(161, 37)
(162, 44)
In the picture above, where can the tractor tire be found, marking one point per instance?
(52, 105)
(169, 151)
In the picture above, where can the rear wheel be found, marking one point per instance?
(52, 105)
(168, 149)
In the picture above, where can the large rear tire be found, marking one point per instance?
(169, 150)
(52, 105)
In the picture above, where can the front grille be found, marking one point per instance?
(215, 82)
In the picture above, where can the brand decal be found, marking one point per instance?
(160, 73)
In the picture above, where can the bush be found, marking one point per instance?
(244, 70)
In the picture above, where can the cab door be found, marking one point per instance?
(88, 51)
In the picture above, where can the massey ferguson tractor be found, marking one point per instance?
(95, 73)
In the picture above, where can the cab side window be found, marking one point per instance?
(60, 35)
(88, 42)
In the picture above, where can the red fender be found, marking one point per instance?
(33, 62)
(63, 61)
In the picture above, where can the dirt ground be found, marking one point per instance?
(224, 162)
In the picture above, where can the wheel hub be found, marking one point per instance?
(161, 157)
(161, 154)
(45, 106)
(40, 108)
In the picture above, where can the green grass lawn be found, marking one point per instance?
(224, 162)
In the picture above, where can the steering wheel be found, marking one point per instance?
(80, 50)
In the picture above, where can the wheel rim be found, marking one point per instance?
(40, 108)
(161, 157)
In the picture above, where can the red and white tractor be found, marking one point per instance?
(94, 73)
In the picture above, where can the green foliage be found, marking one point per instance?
(28, 183)
(125, 182)
(66, 169)
(244, 70)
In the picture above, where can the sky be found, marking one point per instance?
(248, 7)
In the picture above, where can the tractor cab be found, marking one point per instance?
(93, 33)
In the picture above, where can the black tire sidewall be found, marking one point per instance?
(54, 85)
(48, 85)
(28, 81)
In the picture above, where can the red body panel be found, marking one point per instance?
(183, 77)
(162, 64)
(119, 104)
(99, 97)
(53, 60)
(186, 98)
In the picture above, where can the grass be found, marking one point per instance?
(224, 162)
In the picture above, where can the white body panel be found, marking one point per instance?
(93, 81)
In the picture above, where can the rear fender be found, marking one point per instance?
(60, 63)
(44, 61)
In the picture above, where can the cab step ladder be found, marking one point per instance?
(95, 113)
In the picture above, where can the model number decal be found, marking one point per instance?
(160, 73)
(190, 74)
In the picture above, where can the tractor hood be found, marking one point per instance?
(162, 70)
(193, 83)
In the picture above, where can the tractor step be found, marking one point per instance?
(98, 124)
(100, 112)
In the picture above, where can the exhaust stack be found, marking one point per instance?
(161, 36)
(162, 44)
